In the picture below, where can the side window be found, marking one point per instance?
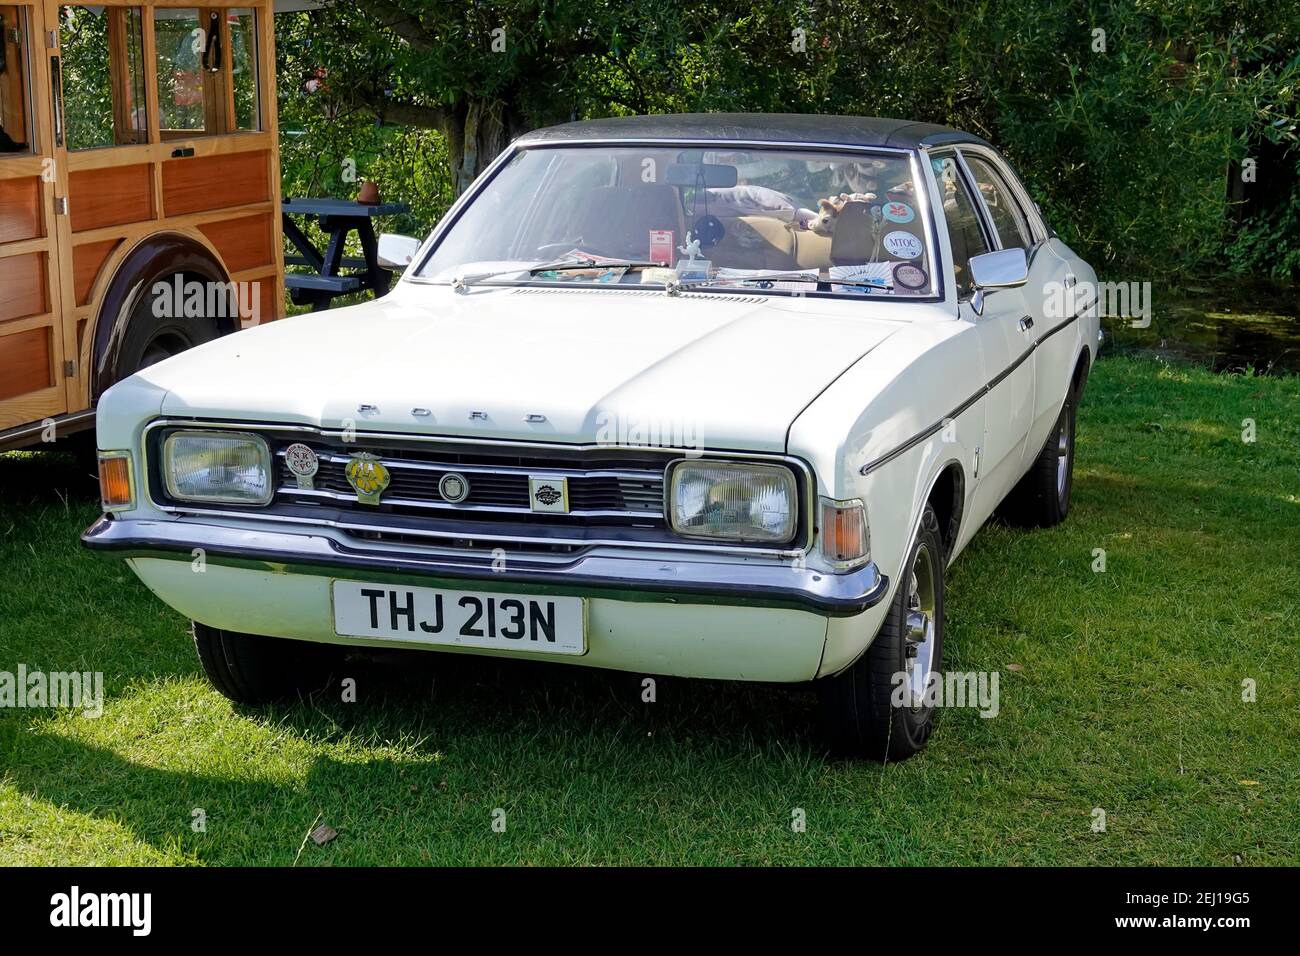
(1008, 219)
(103, 76)
(207, 71)
(15, 117)
(964, 230)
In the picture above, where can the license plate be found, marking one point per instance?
(549, 625)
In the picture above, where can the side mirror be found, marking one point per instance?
(396, 252)
(1003, 269)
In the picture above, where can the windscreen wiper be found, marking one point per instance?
(558, 265)
(699, 281)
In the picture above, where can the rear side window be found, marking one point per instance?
(1008, 218)
(964, 230)
(103, 76)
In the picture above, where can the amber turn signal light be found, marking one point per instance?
(845, 537)
(115, 481)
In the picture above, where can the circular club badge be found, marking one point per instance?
(897, 212)
(910, 277)
(301, 460)
(902, 245)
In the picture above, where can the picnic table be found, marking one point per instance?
(337, 218)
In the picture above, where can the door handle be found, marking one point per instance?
(1026, 323)
(181, 152)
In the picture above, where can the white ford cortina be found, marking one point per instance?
(713, 396)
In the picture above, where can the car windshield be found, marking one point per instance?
(759, 219)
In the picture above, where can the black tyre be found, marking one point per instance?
(1041, 498)
(876, 708)
(149, 338)
(251, 669)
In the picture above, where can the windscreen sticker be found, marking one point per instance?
(902, 245)
(908, 276)
(661, 247)
(898, 212)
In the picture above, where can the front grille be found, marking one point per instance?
(414, 485)
(616, 495)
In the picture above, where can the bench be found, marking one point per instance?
(346, 263)
(318, 290)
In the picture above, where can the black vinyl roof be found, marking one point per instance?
(800, 128)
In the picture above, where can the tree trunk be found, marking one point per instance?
(476, 135)
(476, 131)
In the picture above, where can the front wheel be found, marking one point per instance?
(879, 706)
(254, 670)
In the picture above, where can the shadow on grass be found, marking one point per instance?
(490, 726)
(50, 476)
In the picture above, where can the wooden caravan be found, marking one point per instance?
(138, 158)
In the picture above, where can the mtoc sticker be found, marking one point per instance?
(897, 212)
(902, 245)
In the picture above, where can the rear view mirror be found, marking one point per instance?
(999, 270)
(712, 175)
(396, 252)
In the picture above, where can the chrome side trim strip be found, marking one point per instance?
(980, 393)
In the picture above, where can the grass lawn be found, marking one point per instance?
(1120, 690)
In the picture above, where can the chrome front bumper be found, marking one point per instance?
(633, 578)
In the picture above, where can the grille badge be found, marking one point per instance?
(367, 476)
(548, 494)
(453, 487)
(303, 463)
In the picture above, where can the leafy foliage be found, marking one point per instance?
(1126, 136)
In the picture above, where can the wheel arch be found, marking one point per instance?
(154, 257)
(947, 496)
(1082, 368)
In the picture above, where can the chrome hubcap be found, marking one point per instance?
(1062, 458)
(918, 636)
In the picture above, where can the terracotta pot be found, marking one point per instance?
(369, 194)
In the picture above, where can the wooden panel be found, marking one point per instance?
(25, 362)
(20, 209)
(267, 311)
(243, 243)
(22, 286)
(87, 261)
(214, 182)
(109, 197)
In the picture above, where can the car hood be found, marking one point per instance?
(699, 370)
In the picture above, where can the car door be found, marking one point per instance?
(1005, 340)
(1008, 212)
